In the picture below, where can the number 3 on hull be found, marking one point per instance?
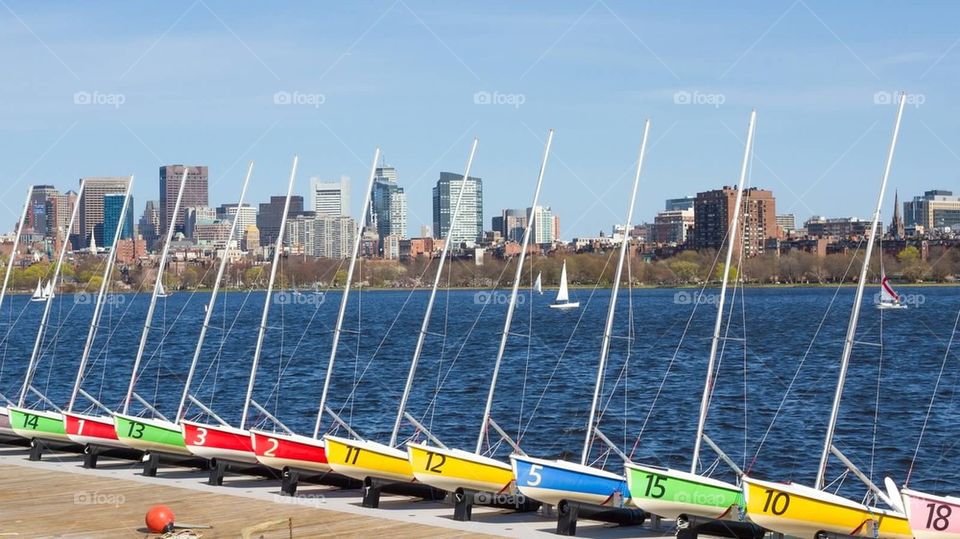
(801, 511)
(932, 517)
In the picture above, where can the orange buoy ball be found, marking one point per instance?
(159, 519)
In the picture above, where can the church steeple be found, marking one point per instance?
(896, 225)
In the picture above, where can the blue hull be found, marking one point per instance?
(552, 481)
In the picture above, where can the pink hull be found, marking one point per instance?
(218, 442)
(933, 516)
(280, 451)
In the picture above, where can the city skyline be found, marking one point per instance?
(298, 82)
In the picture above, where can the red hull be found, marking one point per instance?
(281, 451)
(215, 441)
(90, 427)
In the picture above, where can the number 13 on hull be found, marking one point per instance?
(802, 511)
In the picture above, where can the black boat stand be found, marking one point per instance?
(569, 512)
(290, 478)
(38, 445)
(153, 459)
(464, 499)
(830, 535)
(91, 452)
(218, 468)
(373, 487)
(690, 527)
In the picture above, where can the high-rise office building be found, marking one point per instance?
(91, 204)
(64, 209)
(510, 224)
(149, 226)
(112, 208)
(245, 215)
(194, 193)
(713, 213)
(543, 226)
(388, 208)
(195, 216)
(468, 226)
(270, 215)
(936, 209)
(330, 198)
(42, 211)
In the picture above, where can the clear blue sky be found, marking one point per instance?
(198, 80)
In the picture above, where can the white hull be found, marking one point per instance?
(890, 306)
(565, 306)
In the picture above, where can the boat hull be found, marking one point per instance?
(280, 451)
(361, 459)
(551, 481)
(565, 306)
(452, 469)
(37, 424)
(671, 493)
(149, 434)
(5, 427)
(93, 430)
(931, 516)
(218, 442)
(802, 511)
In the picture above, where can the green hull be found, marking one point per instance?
(668, 493)
(147, 436)
(37, 425)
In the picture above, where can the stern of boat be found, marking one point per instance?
(452, 469)
(360, 459)
(671, 493)
(554, 481)
(279, 451)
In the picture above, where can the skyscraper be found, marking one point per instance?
(388, 211)
(270, 214)
(543, 226)
(150, 224)
(194, 193)
(468, 227)
(91, 204)
(330, 198)
(246, 215)
(510, 224)
(112, 206)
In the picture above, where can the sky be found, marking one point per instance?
(117, 88)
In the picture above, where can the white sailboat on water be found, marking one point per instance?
(38, 292)
(538, 284)
(563, 295)
(889, 299)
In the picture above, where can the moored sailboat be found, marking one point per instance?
(670, 493)
(455, 470)
(793, 509)
(556, 481)
(5, 428)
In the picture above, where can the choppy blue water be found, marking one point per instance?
(547, 380)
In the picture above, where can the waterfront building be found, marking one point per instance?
(194, 193)
(468, 227)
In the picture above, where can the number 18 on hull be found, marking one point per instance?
(930, 516)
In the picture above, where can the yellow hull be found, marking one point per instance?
(360, 459)
(452, 469)
(802, 511)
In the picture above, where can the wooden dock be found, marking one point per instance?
(56, 497)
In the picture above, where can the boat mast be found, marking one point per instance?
(611, 310)
(346, 293)
(714, 343)
(277, 249)
(213, 297)
(16, 243)
(157, 286)
(35, 355)
(513, 296)
(98, 306)
(858, 298)
(433, 294)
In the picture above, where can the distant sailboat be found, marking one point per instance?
(889, 299)
(162, 292)
(38, 293)
(538, 284)
(48, 290)
(563, 296)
